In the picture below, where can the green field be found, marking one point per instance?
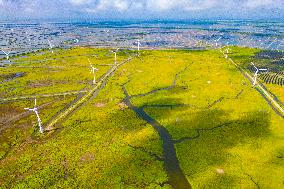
(163, 119)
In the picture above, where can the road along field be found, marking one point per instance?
(248, 71)
(165, 119)
(270, 82)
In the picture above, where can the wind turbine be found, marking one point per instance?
(227, 51)
(256, 73)
(138, 45)
(93, 70)
(37, 115)
(115, 56)
(217, 40)
(6, 53)
(271, 44)
(50, 46)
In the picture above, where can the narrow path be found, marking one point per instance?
(79, 107)
(71, 93)
(89, 95)
(64, 109)
(177, 179)
(273, 95)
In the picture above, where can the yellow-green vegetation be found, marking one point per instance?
(224, 133)
(271, 59)
(62, 71)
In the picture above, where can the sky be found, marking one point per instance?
(141, 9)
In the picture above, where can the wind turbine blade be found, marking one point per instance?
(254, 66)
(35, 102)
(5, 52)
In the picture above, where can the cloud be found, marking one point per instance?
(121, 5)
(257, 3)
(201, 5)
(79, 2)
(105, 5)
(141, 8)
(265, 3)
(187, 5)
(137, 5)
(162, 5)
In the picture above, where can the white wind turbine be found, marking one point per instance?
(6, 53)
(115, 55)
(274, 41)
(138, 45)
(35, 110)
(227, 51)
(93, 71)
(217, 40)
(50, 46)
(256, 73)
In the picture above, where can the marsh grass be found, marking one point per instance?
(224, 124)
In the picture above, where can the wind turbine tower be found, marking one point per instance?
(256, 73)
(93, 71)
(35, 110)
(115, 55)
(138, 45)
(6, 53)
(50, 46)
